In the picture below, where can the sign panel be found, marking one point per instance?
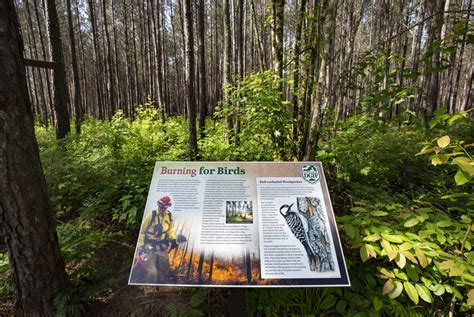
(232, 224)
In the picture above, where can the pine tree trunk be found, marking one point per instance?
(118, 81)
(297, 70)
(111, 85)
(45, 57)
(25, 211)
(60, 86)
(177, 99)
(467, 104)
(202, 70)
(227, 59)
(163, 58)
(311, 69)
(457, 81)
(39, 77)
(190, 80)
(138, 90)
(159, 59)
(98, 62)
(128, 70)
(260, 51)
(239, 43)
(278, 7)
(85, 81)
(75, 70)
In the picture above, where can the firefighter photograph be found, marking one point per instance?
(157, 239)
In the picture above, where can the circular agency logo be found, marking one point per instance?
(310, 173)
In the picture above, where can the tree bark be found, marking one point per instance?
(75, 70)
(85, 81)
(191, 99)
(202, 70)
(98, 61)
(39, 77)
(278, 11)
(25, 212)
(117, 79)
(260, 51)
(296, 72)
(111, 85)
(158, 45)
(60, 86)
(128, 70)
(227, 60)
(45, 56)
(311, 71)
(239, 43)
(138, 90)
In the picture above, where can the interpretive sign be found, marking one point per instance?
(255, 224)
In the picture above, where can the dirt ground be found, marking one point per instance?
(131, 300)
(114, 261)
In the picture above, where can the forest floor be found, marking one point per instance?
(113, 261)
(132, 300)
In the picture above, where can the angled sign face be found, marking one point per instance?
(233, 224)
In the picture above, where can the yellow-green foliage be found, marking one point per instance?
(404, 223)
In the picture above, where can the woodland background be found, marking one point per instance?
(379, 91)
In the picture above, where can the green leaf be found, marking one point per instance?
(410, 223)
(401, 260)
(350, 230)
(396, 291)
(391, 253)
(461, 178)
(412, 272)
(358, 209)
(424, 293)
(441, 238)
(464, 163)
(409, 256)
(341, 306)
(328, 302)
(365, 171)
(378, 304)
(388, 286)
(444, 141)
(454, 118)
(458, 270)
(438, 290)
(446, 265)
(393, 238)
(364, 254)
(411, 292)
(386, 272)
(371, 250)
(444, 223)
(378, 213)
(405, 246)
(436, 160)
(401, 275)
(470, 297)
(421, 257)
(373, 238)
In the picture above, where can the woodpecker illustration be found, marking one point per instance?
(299, 228)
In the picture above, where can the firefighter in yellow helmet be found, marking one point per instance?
(157, 238)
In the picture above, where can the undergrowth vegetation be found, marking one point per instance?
(403, 198)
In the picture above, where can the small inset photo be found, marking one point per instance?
(238, 212)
